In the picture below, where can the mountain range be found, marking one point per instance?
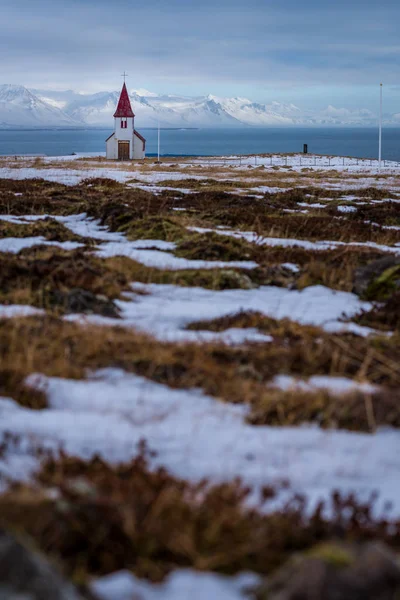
(22, 107)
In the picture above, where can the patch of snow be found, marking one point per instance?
(295, 210)
(347, 209)
(334, 385)
(75, 176)
(157, 189)
(18, 310)
(180, 585)
(163, 176)
(338, 327)
(163, 260)
(266, 189)
(79, 224)
(291, 267)
(230, 336)
(15, 245)
(7, 404)
(312, 205)
(164, 311)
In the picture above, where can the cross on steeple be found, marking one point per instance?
(124, 75)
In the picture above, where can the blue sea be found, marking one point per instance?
(357, 142)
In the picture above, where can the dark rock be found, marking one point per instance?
(25, 575)
(276, 275)
(334, 571)
(230, 279)
(83, 301)
(378, 278)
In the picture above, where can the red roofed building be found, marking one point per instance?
(125, 143)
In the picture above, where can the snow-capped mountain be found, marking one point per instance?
(170, 111)
(174, 111)
(20, 107)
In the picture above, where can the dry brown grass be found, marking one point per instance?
(36, 275)
(123, 208)
(311, 226)
(61, 281)
(357, 411)
(100, 519)
(233, 374)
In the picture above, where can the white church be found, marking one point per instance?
(125, 143)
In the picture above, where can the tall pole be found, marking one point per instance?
(380, 128)
(158, 142)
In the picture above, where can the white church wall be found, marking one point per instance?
(124, 134)
(112, 148)
(138, 148)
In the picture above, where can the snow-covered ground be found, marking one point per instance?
(301, 161)
(195, 437)
(65, 176)
(149, 173)
(15, 245)
(165, 310)
(180, 585)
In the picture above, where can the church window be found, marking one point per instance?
(124, 123)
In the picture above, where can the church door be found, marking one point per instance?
(123, 150)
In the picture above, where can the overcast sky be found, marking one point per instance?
(311, 52)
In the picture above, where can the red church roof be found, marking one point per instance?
(124, 108)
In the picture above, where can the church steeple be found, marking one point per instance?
(125, 143)
(124, 108)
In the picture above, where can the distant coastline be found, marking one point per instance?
(359, 142)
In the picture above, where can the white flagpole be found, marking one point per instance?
(380, 128)
(158, 142)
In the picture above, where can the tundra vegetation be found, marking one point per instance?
(95, 518)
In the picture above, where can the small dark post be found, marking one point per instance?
(305, 149)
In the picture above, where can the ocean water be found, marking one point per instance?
(357, 142)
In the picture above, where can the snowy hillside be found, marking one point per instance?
(34, 108)
(21, 108)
